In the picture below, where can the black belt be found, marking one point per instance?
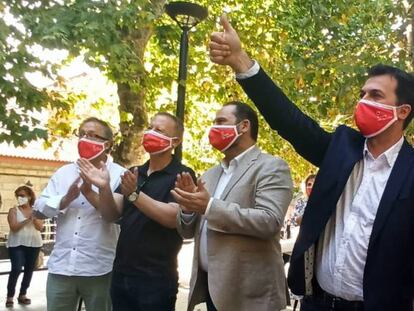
(337, 303)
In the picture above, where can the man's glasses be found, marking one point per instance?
(82, 134)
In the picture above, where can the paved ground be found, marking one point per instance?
(37, 289)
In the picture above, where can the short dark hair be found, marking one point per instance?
(179, 127)
(244, 111)
(109, 134)
(311, 176)
(405, 85)
(29, 191)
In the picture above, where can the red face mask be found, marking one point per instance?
(373, 118)
(222, 137)
(90, 149)
(155, 142)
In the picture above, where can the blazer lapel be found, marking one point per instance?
(212, 179)
(392, 189)
(242, 167)
(315, 222)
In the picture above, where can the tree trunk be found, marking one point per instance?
(130, 152)
(132, 102)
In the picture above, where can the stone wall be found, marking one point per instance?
(15, 171)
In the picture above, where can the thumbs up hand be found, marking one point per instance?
(225, 48)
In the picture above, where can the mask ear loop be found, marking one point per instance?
(239, 134)
(235, 137)
(391, 122)
(170, 139)
(109, 149)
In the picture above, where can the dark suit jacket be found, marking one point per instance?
(388, 275)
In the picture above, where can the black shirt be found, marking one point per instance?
(144, 245)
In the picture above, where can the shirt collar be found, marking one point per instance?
(236, 160)
(390, 154)
(171, 168)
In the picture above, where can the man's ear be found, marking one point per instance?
(245, 126)
(176, 141)
(108, 146)
(404, 111)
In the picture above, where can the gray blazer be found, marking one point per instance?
(245, 266)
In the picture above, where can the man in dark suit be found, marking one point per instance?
(355, 248)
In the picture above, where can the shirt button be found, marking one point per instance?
(76, 233)
(74, 248)
(83, 203)
(78, 217)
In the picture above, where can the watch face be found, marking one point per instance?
(132, 197)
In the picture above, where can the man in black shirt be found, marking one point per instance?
(145, 268)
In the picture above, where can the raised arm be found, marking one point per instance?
(307, 137)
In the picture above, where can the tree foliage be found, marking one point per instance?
(317, 51)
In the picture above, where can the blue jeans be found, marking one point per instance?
(146, 292)
(21, 256)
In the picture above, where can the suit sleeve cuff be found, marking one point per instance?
(210, 202)
(249, 73)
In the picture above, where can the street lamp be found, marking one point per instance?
(186, 15)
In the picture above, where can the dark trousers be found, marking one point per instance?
(322, 301)
(315, 304)
(209, 303)
(21, 256)
(311, 304)
(145, 292)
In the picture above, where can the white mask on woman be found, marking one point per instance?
(22, 200)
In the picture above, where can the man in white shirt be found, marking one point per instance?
(355, 246)
(235, 214)
(80, 264)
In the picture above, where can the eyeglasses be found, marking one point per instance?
(92, 135)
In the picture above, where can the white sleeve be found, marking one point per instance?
(249, 73)
(49, 201)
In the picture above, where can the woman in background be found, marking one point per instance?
(300, 205)
(24, 243)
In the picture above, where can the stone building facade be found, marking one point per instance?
(15, 171)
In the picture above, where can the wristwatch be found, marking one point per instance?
(133, 196)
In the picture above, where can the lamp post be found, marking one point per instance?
(186, 15)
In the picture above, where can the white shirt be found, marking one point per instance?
(340, 268)
(85, 243)
(28, 235)
(221, 185)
